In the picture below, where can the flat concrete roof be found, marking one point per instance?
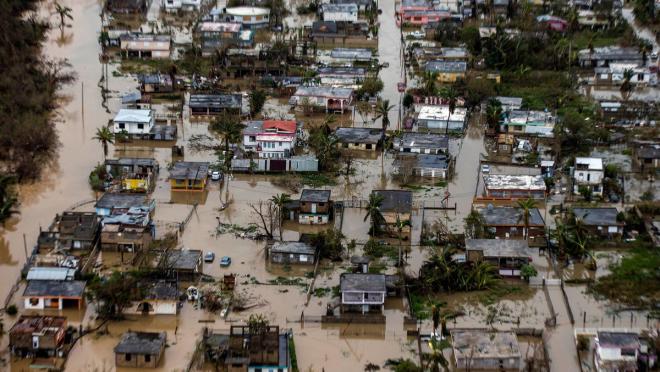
(499, 247)
(482, 344)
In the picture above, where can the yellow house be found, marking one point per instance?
(189, 176)
(447, 71)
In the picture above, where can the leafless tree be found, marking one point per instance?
(266, 213)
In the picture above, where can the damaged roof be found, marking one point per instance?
(499, 247)
(597, 216)
(189, 170)
(514, 182)
(359, 135)
(54, 288)
(292, 247)
(362, 282)
(144, 343)
(399, 201)
(510, 216)
(315, 196)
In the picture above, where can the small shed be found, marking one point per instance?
(140, 349)
(476, 349)
(292, 253)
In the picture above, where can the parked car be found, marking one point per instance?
(209, 257)
(216, 176)
(225, 261)
(419, 34)
(485, 168)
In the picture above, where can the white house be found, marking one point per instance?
(616, 351)
(175, 5)
(615, 74)
(589, 173)
(362, 293)
(270, 138)
(439, 118)
(134, 122)
(329, 98)
(249, 16)
(340, 12)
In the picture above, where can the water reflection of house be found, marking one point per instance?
(509, 223)
(184, 264)
(37, 335)
(140, 349)
(482, 350)
(215, 104)
(617, 352)
(362, 293)
(145, 46)
(189, 176)
(328, 98)
(359, 138)
(54, 294)
(292, 253)
(248, 349)
(601, 222)
(507, 255)
(70, 231)
(134, 174)
(160, 298)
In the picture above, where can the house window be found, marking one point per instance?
(253, 138)
(279, 144)
(321, 204)
(640, 77)
(140, 126)
(127, 357)
(147, 358)
(34, 301)
(588, 176)
(121, 125)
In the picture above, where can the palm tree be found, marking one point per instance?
(280, 200)
(526, 205)
(230, 129)
(363, 108)
(400, 225)
(428, 82)
(627, 87)
(383, 109)
(436, 358)
(64, 12)
(493, 112)
(104, 136)
(373, 212)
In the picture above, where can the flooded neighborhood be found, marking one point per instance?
(330, 185)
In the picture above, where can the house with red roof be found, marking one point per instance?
(273, 139)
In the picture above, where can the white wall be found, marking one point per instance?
(133, 128)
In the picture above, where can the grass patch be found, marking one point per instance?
(413, 187)
(499, 292)
(322, 291)
(317, 179)
(292, 354)
(635, 281)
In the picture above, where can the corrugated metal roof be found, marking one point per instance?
(51, 273)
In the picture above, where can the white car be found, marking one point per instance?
(216, 176)
(418, 34)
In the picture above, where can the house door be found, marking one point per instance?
(145, 308)
(314, 208)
